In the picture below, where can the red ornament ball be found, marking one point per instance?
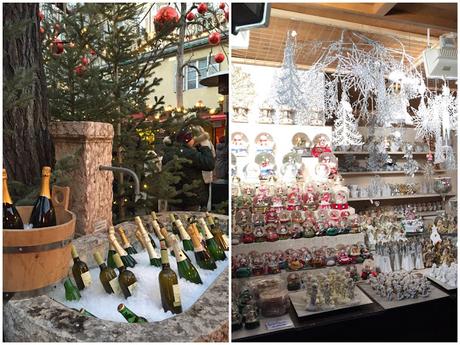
(202, 8)
(222, 5)
(167, 16)
(84, 60)
(80, 70)
(214, 38)
(58, 46)
(92, 52)
(42, 30)
(219, 57)
(41, 15)
(190, 16)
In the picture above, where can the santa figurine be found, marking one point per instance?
(321, 144)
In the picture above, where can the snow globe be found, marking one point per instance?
(321, 143)
(322, 172)
(239, 145)
(283, 231)
(251, 172)
(248, 235)
(301, 144)
(273, 266)
(266, 114)
(325, 196)
(243, 217)
(331, 161)
(264, 143)
(267, 167)
(295, 261)
(296, 231)
(272, 235)
(287, 115)
(310, 197)
(291, 170)
(316, 117)
(258, 219)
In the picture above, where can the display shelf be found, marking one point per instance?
(400, 172)
(366, 153)
(318, 241)
(411, 196)
(265, 327)
(425, 214)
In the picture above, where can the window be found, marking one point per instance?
(191, 80)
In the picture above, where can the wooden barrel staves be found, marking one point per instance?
(36, 258)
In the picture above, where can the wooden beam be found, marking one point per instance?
(390, 22)
(348, 25)
(257, 62)
(382, 8)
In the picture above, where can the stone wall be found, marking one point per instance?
(91, 189)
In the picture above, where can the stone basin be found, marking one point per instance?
(42, 319)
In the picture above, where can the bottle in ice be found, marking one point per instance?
(107, 275)
(217, 232)
(169, 286)
(217, 252)
(184, 267)
(11, 217)
(126, 244)
(71, 291)
(126, 278)
(127, 259)
(202, 256)
(153, 255)
(43, 213)
(80, 270)
(129, 315)
(178, 228)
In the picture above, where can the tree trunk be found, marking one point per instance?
(180, 58)
(27, 144)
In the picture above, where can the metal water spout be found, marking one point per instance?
(137, 190)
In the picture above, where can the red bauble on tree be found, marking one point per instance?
(92, 52)
(41, 16)
(80, 70)
(190, 16)
(84, 61)
(202, 8)
(42, 30)
(57, 46)
(166, 19)
(222, 5)
(214, 38)
(219, 57)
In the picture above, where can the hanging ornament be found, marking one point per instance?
(84, 61)
(410, 166)
(214, 38)
(222, 5)
(190, 16)
(202, 8)
(92, 52)
(80, 70)
(345, 126)
(57, 46)
(166, 19)
(42, 30)
(219, 57)
(41, 15)
(425, 124)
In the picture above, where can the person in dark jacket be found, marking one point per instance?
(200, 159)
(221, 170)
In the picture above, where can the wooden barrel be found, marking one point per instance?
(36, 258)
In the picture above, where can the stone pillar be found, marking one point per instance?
(91, 189)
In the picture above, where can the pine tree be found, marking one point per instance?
(345, 126)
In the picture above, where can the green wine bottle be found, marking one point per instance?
(43, 213)
(129, 315)
(202, 256)
(80, 270)
(107, 276)
(153, 255)
(71, 291)
(127, 259)
(217, 232)
(86, 313)
(169, 287)
(124, 240)
(185, 267)
(110, 254)
(214, 249)
(11, 217)
(126, 278)
(184, 236)
(157, 227)
(140, 238)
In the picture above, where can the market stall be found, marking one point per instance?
(344, 181)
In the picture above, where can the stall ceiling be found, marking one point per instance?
(325, 22)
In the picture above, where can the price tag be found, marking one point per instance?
(272, 325)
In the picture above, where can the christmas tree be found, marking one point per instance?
(345, 126)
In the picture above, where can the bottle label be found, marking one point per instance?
(132, 287)
(86, 278)
(115, 285)
(176, 292)
(180, 256)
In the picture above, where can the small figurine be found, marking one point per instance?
(312, 306)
